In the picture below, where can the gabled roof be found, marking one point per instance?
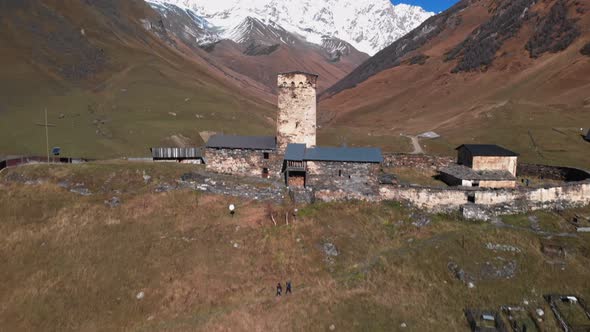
(488, 150)
(344, 154)
(295, 152)
(242, 142)
(175, 153)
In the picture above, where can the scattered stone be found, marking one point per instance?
(490, 271)
(540, 312)
(332, 327)
(113, 202)
(330, 249)
(172, 113)
(146, 178)
(420, 220)
(403, 325)
(61, 116)
(459, 273)
(64, 184)
(502, 247)
(471, 285)
(164, 187)
(140, 295)
(236, 245)
(534, 220)
(81, 191)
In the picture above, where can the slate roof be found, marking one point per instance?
(488, 150)
(466, 173)
(176, 153)
(295, 152)
(242, 142)
(359, 155)
(299, 152)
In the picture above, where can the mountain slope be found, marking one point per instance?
(110, 86)
(509, 72)
(368, 25)
(259, 50)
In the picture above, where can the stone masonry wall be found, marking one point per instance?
(354, 178)
(421, 161)
(433, 199)
(296, 121)
(552, 172)
(495, 163)
(243, 162)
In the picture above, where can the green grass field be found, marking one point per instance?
(71, 262)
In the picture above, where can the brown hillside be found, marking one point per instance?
(113, 80)
(511, 72)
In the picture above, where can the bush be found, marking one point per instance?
(556, 33)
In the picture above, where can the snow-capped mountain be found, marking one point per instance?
(368, 25)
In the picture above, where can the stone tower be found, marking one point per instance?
(296, 121)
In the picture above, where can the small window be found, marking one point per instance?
(265, 172)
(339, 172)
(266, 155)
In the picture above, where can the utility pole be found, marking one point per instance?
(47, 135)
(46, 125)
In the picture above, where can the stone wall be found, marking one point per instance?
(552, 172)
(421, 161)
(296, 121)
(482, 163)
(433, 199)
(243, 162)
(521, 199)
(354, 178)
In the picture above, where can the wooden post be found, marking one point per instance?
(47, 135)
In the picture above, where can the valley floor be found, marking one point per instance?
(176, 260)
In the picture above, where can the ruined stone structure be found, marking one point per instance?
(296, 121)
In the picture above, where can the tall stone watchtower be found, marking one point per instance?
(296, 121)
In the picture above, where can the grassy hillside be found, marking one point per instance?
(71, 262)
(111, 88)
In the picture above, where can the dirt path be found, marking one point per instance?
(415, 144)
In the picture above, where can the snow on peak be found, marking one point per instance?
(368, 25)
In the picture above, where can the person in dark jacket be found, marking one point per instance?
(288, 290)
(279, 289)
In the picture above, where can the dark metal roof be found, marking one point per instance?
(360, 155)
(295, 152)
(176, 153)
(488, 150)
(242, 142)
(298, 72)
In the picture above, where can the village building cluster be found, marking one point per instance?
(292, 155)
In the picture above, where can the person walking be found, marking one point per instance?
(279, 289)
(288, 290)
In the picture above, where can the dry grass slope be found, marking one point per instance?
(70, 262)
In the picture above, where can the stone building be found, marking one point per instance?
(482, 165)
(331, 167)
(243, 155)
(304, 164)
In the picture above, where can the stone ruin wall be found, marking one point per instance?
(296, 121)
(421, 161)
(433, 199)
(243, 162)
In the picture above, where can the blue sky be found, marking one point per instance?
(429, 5)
